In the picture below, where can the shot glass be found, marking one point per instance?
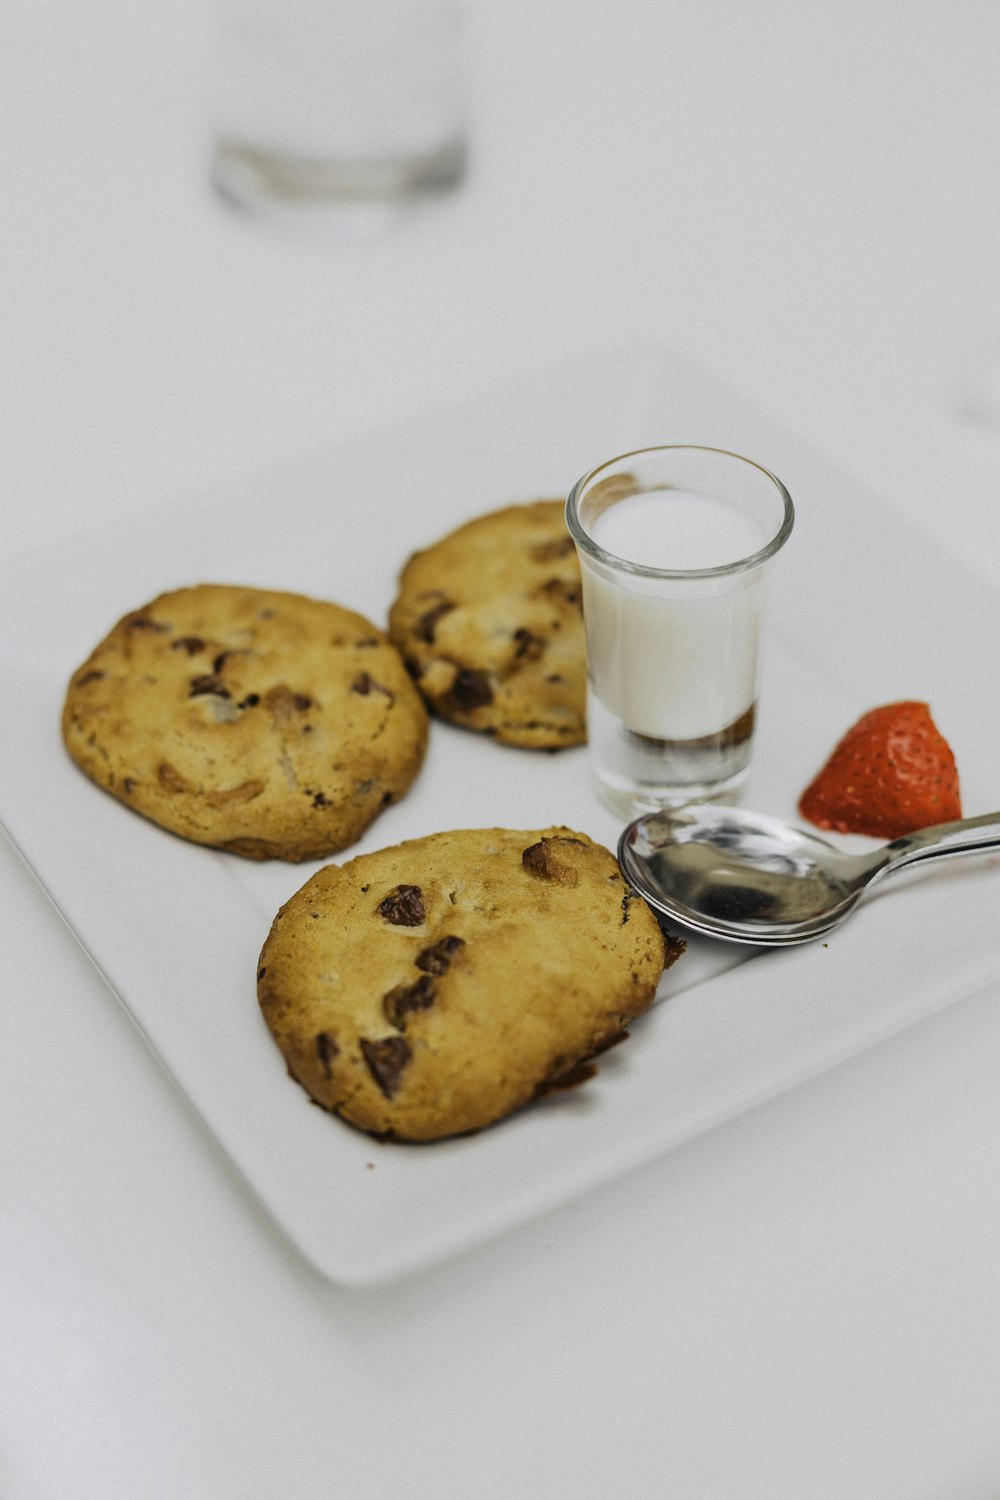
(345, 112)
(675, 544)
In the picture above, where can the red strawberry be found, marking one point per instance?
(891, 773)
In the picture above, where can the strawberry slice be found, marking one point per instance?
(891, 773)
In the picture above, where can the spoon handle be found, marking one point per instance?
(944, 840)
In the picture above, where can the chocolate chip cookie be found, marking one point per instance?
(264, 723)
(490, 624)
(429, 989)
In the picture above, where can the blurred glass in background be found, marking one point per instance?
(351, 111)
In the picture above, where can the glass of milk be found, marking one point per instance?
(675, 544)
(345, 112)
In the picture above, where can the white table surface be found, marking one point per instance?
(805, 1303)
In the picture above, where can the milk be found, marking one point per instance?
(678, 529)
(674, 659)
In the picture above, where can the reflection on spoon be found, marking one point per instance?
(753, 879)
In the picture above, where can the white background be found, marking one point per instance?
(805, 199)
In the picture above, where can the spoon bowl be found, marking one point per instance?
(749, 878)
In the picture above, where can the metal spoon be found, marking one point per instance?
(754, 879)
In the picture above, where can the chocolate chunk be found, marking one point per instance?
(559, 588)
(529, 647)
(566, 1077)
(143, 622)
(210, 682)
(550, 551)
(326, 1050)
(427, 622)
(387, 1060)
(549, 860)
(403, 906)
(220, 661)
(192, 644)
(437, 958)
(471, 689)
(563, 1075)
(285, 704)
(170, 778)
(405, 998)
(676, 947)
(365, 683)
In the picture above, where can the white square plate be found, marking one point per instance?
(865, 611)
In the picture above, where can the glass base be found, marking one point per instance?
(364, 196)
(634, 773)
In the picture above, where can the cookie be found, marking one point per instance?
(263, 723)
(429, 989)
(489, 621)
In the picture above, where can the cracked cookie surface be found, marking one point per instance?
(489, 621)
(430, 989)
(264, 723)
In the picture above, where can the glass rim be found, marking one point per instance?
(623, 564)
